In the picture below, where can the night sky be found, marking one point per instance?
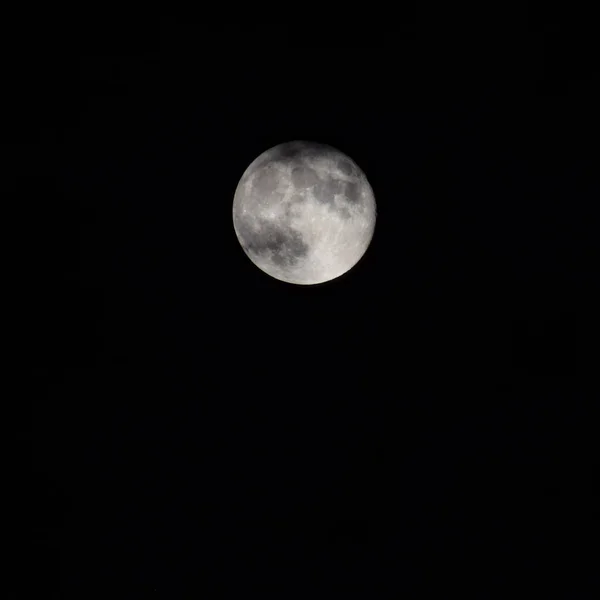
(419, 426)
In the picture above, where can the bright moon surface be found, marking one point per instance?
(304, 212)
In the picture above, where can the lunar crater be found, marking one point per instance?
(282, 243)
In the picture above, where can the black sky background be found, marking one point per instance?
(421, 423)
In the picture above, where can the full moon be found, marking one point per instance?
(304, 212)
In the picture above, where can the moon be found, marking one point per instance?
(304, 212)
